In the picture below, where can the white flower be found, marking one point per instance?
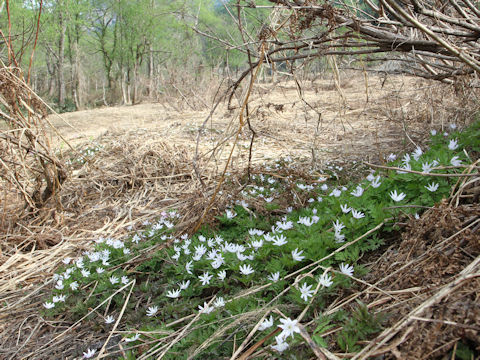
(433, 132)
(346, 269)
(325, 280)
(397, 197)
(453, 144)
(230, 214)
(285, 225)
(109, 319)
(113, 279)
(281, 345)
(222, 275)
(289, 327)
(133, 338)
(324, 187)
(358, 191)
(205, 309)
(455, 161)
(89, 353)
(297, 255)
(48, 305)
(391, 157)
(427, 167)
(406, 166)
(152, 310)
(205, 278)
(453, 126)
(85, 273)
(266, 323)
(274, 276)
(124, 280)
(74, 285)
(59, 285)
(338, 226)
(279, 240)
(432, 187)
(417, 216)
(345, 208)
(188, 267)
(417, 153)
(269, 199)
(67, 260)
(100, 270)
(246, 269)
(173, 293)
(219, 302)
(336, 193)
(357, 214)
(59, 298)
(306, 292)
(339, 238)
(257, 244)
(376, 182)
(184, 285)
(305, 221)
(241, 256)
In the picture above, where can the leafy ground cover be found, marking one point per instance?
(257, 277)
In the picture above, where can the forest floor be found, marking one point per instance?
(122, 183)
(334, 124)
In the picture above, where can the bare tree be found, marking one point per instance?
(432, 39)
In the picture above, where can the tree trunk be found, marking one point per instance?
(61, 61)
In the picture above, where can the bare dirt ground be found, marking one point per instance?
(351, 122)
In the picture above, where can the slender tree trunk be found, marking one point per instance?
(150, 72)
(50, 76)
(61, 60)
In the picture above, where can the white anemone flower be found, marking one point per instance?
(358, 191)
(453, 144)
(48, 305)
(152, 311)
(89, 353)
(289, 327)
(205, 278)
(281, 345)
(432, 187)
(246, 269)
(274, 276)
(297, 255)
(325, 280)
(346, 269)
(205, 309)
(455, 161)
(266, 323)
(173, 293)
(397, 197)
(357, 214)
(306, 291)
(222, 275)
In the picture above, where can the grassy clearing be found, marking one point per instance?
(257, 277)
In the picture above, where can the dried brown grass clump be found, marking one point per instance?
(433, 276)
(29, 168)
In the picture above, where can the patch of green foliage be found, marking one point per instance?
(293, 258)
